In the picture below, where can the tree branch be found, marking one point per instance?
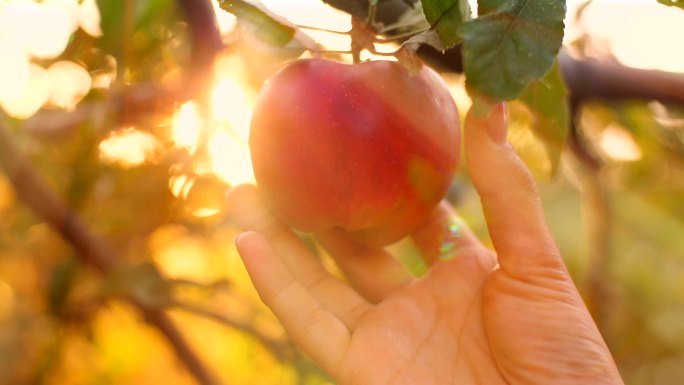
(35, 192)
(589, 79)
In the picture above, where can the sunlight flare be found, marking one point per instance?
(230, 159)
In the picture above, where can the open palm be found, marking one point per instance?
(475, 318)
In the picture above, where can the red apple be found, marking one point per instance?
(367, 148)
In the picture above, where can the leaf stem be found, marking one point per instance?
(372, 11)
(312, 28)
(393, 27)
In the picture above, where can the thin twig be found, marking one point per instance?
(400, 37)
(393, 27)
(184, 351)
(312, 28)
(599, 223)
(282, 351)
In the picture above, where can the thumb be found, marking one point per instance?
(508, 194)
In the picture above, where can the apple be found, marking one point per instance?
(367, 148)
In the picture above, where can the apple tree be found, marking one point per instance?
(124, 122)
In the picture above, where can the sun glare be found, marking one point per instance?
(231, 112)
(232, 105)
(230, 159)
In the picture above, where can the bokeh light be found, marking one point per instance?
(179, 254)
(89, 18)
(31, 97)
(14, 69)
(41, 29)
(70, 83)
(618, 144)
(128, 147)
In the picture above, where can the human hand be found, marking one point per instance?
(514, 317)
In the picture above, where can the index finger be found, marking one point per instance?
(509, 196)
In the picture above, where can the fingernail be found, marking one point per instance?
(237, 238)
(497, 126)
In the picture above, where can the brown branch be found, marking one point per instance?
(35, 192)
(589, 79)
(586, 79)
(205, 43)
(184, 352)
(599, 218)
(599, 224)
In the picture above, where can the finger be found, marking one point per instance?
(444, 235)
(372, 271)
(510, 200)
(314, 328)
(250, 212)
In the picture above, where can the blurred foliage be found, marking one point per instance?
(159, 202)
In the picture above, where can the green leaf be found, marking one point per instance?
(446, 17)
(514, 44)
(673, 3)
(488, 6)
(547, 101)
(265, 26)
(146, 15)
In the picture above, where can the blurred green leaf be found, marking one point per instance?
(547, 101)
(61, 282)
(512, 45)
(673, 3)
(267, 27)
(147, 17)
(446, 17)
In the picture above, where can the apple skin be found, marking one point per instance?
(367, 147)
